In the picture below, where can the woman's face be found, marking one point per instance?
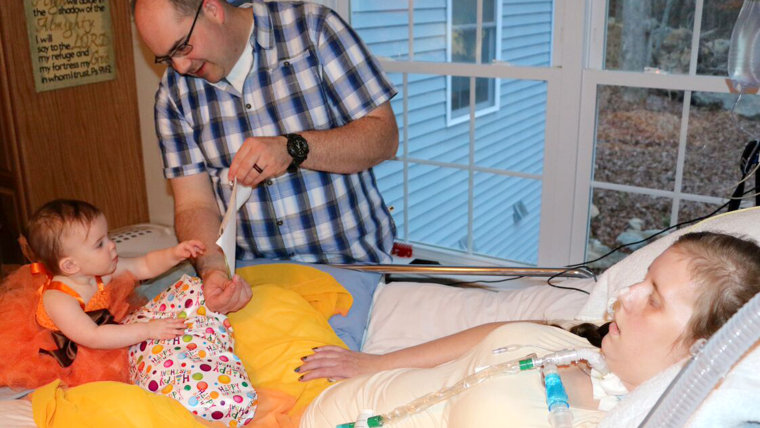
(649, 320)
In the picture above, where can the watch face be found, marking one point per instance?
(298, 148)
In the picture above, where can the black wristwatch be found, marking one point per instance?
(298, 149)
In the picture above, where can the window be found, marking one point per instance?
(472, 185)
(665, 151)
(586, 142)
(465, 38)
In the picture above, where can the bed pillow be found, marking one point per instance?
(408, 313)
(633, 268)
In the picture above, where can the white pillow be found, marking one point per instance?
(408, 313)
(633, 268)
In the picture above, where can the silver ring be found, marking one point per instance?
(258, 168)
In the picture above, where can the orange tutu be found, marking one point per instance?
(21, 337)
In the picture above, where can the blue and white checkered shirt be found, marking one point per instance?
(310, 71)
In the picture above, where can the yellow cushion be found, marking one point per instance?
(106, 404)
(286, 318)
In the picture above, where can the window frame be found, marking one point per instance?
(594, 76)
(461, 115)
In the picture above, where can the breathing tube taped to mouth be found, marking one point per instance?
(707, 368)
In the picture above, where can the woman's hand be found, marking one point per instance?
(165, 328)
(334, 362)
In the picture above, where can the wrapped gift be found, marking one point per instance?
(198, 368)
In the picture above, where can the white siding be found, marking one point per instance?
(508, 141)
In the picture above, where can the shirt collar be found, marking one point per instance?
(262, 23)
(236, 76)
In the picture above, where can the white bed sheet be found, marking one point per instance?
(16, 414)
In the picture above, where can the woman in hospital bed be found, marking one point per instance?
(688, 293)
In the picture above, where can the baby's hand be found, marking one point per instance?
(191, 248)
(166, 328)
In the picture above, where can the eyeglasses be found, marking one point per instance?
(183, 48)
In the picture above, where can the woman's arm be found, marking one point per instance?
(338, 363)
(66, 313)
(157, 262)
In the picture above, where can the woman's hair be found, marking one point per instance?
(591, 332)
(41, 241)
(726, 272)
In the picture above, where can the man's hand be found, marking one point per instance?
(225, 295)
(268, 154)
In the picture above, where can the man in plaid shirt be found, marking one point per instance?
(283, 97)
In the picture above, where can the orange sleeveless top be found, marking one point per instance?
(99, 300)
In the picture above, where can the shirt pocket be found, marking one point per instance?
(296, 90)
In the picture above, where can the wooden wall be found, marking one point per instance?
(81, 142)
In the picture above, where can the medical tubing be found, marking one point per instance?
(371, 422)
(556, 398)
(422, 403)
(695, 381)
(569, 356)
(529, 362)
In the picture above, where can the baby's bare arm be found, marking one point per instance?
(66, 313)
(157, 262)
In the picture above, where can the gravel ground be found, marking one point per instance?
(637, 144)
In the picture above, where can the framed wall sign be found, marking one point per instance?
(70, 41)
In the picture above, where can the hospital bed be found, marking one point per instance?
(408, 313)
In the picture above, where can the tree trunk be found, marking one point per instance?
(634, 43)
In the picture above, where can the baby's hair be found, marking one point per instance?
(46, 226)
(726, 272)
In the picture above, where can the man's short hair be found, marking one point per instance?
(185, 7)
